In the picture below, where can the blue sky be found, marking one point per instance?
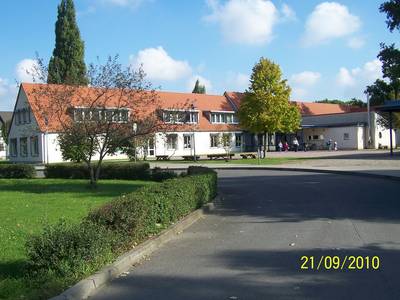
(325, 49)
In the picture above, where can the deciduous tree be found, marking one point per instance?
(266, 107)
(97, 121)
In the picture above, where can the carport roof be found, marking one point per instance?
(389, 106)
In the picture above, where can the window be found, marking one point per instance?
(238, 140)
(34, 146)
(120, 115)
(214, 140)
(177, 117)
(187, 141)
(2, 147)
(192, 117)
(223, 118)
(13, 147)
(380, 135)
(346, 136)
(23, 146)
(172, 141)
(315, 137)
(226, 139)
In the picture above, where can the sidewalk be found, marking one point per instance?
(364, 162)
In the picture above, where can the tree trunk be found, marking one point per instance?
(264, 144)
(93, 182)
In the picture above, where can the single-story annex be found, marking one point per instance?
(33, 140)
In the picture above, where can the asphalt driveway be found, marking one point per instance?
(251, 246)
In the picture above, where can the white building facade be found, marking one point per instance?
(209, 127)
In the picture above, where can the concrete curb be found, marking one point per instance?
(309, 170)
(87, 287)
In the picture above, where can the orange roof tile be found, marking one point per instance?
(166, 100)
(306, 108)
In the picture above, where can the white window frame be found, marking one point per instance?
(238, 140)
(174, 144)
(216, 142)
(34, 143)
(187, 141)
(23, 150)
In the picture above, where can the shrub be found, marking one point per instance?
(72, 251)
(141, 213)
(109, 170)
(157, 174)
(68, 250)
(17, 171)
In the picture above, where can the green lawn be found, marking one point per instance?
(27, 205)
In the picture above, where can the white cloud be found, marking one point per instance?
(288, 13)
(8, 94)
(26, 70)
(330, 20)
(158, 65)
(203, 81)
(244, 21)
(306, 78)
(356, 42)
(298, 94)
(361, 76)
(237, 82)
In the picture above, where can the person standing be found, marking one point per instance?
(280, 146)
(335, 146)
(285, 146)
(296, 144)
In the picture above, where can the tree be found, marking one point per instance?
(392, 10)
(352, 102)
(265, 107)
(199, 88)
(379, 92)
(390, 58)
(97, 121)
(67, 63)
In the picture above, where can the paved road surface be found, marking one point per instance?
(250, 248)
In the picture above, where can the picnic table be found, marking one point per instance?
(246, 155)
(162, 157)
(220, 155)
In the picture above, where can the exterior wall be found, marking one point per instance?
(201, 140)
(3, 153)
(27, 130)
(351, 137)
(380, 134)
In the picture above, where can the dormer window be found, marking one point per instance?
(177, 116)
(223, 117)
(114, 115)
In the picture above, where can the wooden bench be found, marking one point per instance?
(190, 157)
(248, 155)
(220, 155)
(162, 157)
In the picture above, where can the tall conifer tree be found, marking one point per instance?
(67, 64)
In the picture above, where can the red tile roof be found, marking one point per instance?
(306, 108)
(166, 100)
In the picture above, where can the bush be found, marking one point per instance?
(109, 170)
(68, 250)
(76, 250)
(143, 212)
(17, 171)
(157, 174)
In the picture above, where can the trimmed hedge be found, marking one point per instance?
(17, 171)
(109, 170)
(78, 250)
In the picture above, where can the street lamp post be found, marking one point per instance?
(134, 129)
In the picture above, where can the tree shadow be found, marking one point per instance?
(261, 274)
(300, 196)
